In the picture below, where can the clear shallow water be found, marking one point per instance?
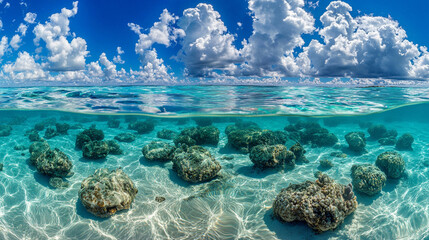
(237, 206)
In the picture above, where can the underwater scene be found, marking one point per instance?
(214, 162)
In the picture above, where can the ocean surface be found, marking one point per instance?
(237, 204)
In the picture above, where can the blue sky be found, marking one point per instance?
(366, 42)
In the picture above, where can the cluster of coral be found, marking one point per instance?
(51, 127)
(50, 162)
(208, 135)
(311, 133)
(323, 204)
(93, 146)
(191, 161)
(370, 179)
(243, 136)
(388, 137)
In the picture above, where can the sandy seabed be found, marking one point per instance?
(237, 205)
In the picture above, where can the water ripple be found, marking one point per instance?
(212, 100)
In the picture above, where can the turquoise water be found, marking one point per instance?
(237, 204)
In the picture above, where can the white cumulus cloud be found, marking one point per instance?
(64, 55)
(24, 68)
(4, 44)
(22, 29)
(118, 59)
(161, 32)
(15, 42)
(278, 26)
(366, 46)
(420, 67)
(30, 17)
(109, 67)
(207, 45)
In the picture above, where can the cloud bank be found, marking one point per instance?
(344, 45)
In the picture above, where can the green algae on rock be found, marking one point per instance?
(125, 137)
(158, 151)
(91, 134)
(299, 152)
(356, 141)
(54, 163)
(195, 164)
(271, 156)
(208, 135)
(114, 147)
(325, 163)
(166, 134)
(5, 130)
(367, 178)
(95, 150)
(36, 149)
(405, 142)
(391, 163)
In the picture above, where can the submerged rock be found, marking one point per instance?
(62, 128)
(405, 142)
(88, 135)
(184, 140)
(95, 150)
(39, 126)
(54, 163)
(1, 167)
(50, 133)
(57, 182)
(311, 133)
(33, 136)
(325, 163)
(195, 164)
(166, 134)
(245, 139)
(368, 179)
(320, 137)
(241, 125)
(36, 149)
(114, 147)
(388, 141)
(380, 131)
(125, 137)
(271, 156)
(5, 130)
(391, 163)
(299, 152)
(113, 123)
(146, 126)
(377, 131)
(323, 204)
(356, 141)
(158, 151)
(106, 192)
(198, 136)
